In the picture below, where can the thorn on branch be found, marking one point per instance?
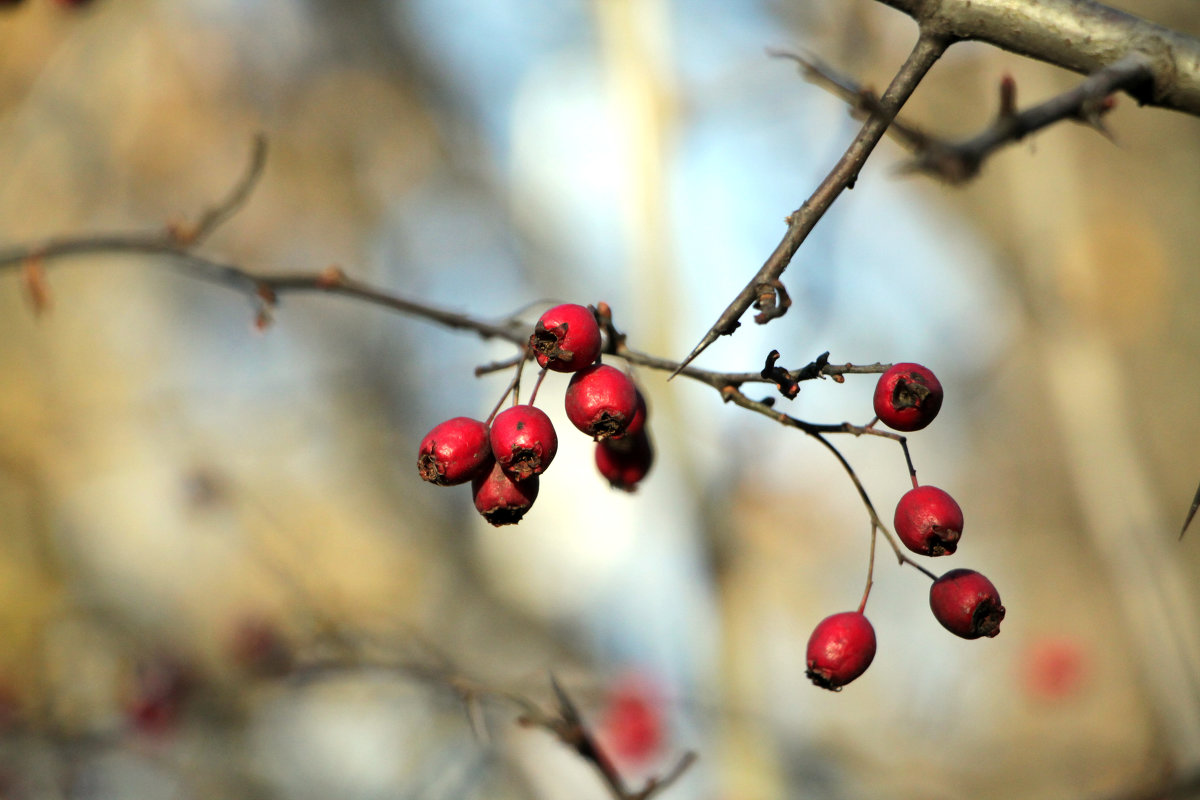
(1191, 513)
(33, 275)
(815, 369)
(1008, 97)
(267, 299)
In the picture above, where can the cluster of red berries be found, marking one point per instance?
(503, 457)
(929, 522)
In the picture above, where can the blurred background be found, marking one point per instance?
(220, 575)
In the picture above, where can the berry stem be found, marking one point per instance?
(541, 377)
(870, 568)
(912, 471)
(516, 383)
(514, 387)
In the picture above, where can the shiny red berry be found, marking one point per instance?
(928, 521)
(907, 397)
(500, 499)
(638, 423)
(454, 452)
(523, 441)
(624, 462)
(601, 401)
(566, 338)
(840, 649)
(966, 603)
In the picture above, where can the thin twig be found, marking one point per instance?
(218, 214)
(956, 162)
(801, 222)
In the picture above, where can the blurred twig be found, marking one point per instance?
(957, 162)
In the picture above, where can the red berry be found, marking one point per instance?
(907, 397)
(500, 499)
(638, 423)
(454, 452)
(162, 687)
(601, 401)
(625, 461)
(566, 338)
(966, 603)
(928, 521)
(523, 441)
(840, 649)
(632, 726)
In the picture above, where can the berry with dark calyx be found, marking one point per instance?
(624, 462)
(928, 521)
(454, 452)
(500, 499)
(638, 423)
(523, 441)
(967, 604)
(907, 397)
(840, 649)
(601, 401)
(566, 338)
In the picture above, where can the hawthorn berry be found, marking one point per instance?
(840, 649)
(624, 462)
(632, 728)
(454, 452)
(162, 686)
(566, 338)
(638, 422)
(523, 441)
(966, 603)
(500, 499)
(907, 397)
(928, 521)
(601, 401)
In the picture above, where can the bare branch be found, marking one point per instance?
(928, 49)
(1191, 513)
(1079, 35)
(224, 210)
(958, 162)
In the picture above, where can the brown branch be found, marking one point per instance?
(801, 222)
(567, 724)
(224, 210)
(819, 433)
(1079, 35)
(1187, 521)
(956, 162)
